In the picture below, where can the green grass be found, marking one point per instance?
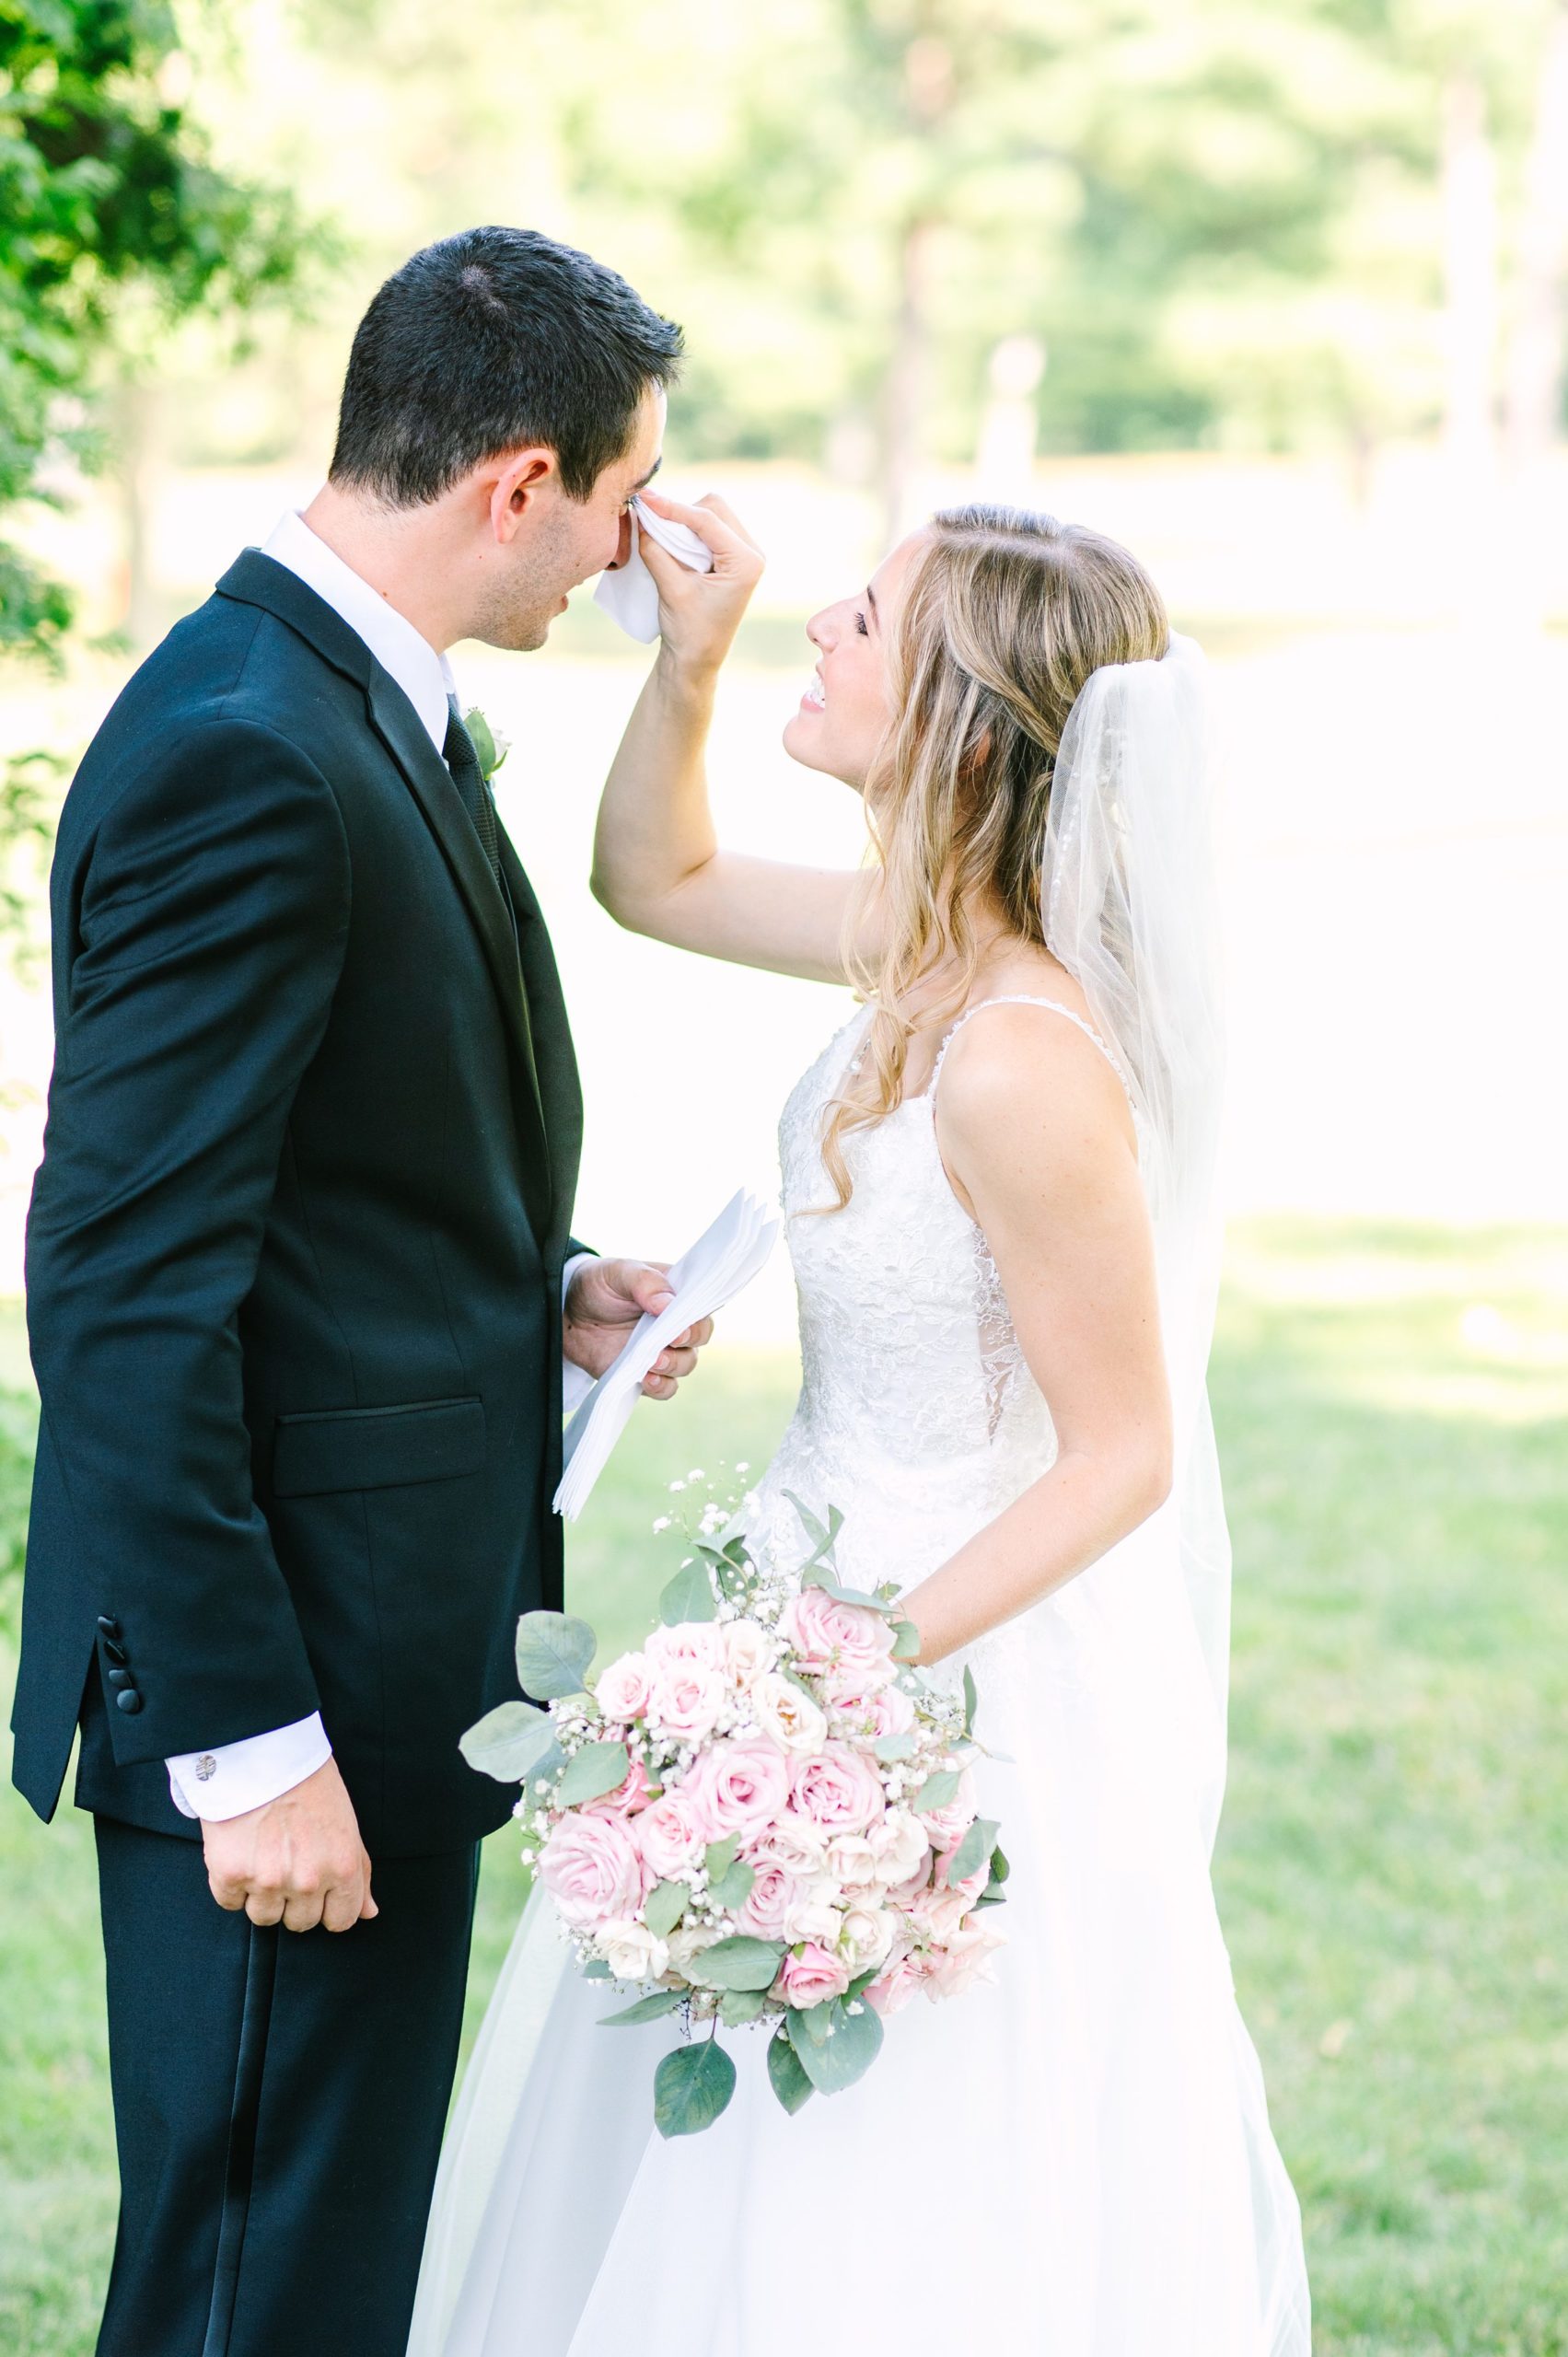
(1393, 1869)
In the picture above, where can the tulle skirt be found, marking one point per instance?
(1072, 2160)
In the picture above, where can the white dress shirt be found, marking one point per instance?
(234, 1777)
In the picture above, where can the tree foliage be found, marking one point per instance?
(110, 201)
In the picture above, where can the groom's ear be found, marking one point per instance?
(516, 488)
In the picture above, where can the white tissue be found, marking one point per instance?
(630, 594)
(717, 1266)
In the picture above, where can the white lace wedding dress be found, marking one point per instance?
(1072, 2162)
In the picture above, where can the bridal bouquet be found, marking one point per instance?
(763, 1813)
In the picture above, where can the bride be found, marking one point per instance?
(1000, 1188)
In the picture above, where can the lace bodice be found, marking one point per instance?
(918, 1415)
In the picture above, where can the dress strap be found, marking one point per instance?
(1021, 998)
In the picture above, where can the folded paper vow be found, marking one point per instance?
(716, 1269)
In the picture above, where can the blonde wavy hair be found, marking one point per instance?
(1005, 616)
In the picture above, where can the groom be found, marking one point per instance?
(295, 1264)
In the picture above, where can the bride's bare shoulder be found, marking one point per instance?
(1027, 1065)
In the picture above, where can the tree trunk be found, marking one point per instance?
(906, 384)
(1539, 328)
(1470, 269)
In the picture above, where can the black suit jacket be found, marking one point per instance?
(295, 1250)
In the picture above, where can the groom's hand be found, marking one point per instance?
(604, 1303)
(299, 1861)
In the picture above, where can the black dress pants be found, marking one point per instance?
(279, 2100)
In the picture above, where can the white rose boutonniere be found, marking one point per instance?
(488, 743)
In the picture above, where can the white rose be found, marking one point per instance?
(789, 1716)
(686, 1945)
(813, 1915)
(633, 1952)
(898, 1844)
(865, 1938)
(746, 1650)
(853, 1860)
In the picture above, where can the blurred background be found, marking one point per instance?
(1279, 297)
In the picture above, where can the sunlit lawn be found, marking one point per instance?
(1394, 1865)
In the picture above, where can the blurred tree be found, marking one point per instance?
(115, 222)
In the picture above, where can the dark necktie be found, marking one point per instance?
(472, 784)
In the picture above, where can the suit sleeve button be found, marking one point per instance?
(117, 1677)
(108, 1624)
(128, 1701)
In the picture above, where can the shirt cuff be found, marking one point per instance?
(234, 1777)
(575, 1381)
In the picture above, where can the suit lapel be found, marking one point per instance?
(560, 1093)
(258, 580)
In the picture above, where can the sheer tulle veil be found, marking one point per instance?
(1130, 896)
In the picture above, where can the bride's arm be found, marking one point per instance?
(1036, 1134)
(657, 865)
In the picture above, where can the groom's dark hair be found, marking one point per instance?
(488, 342)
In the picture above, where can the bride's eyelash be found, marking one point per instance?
(861, 626)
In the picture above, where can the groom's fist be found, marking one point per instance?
(299, 1861)
(603, 1304)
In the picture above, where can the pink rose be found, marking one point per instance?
(897, 1982)
(836, 1636)
(591, 1867)
(949, 1825)
(770, 1901)
(671, 1833)
(791, 1841)
(871, 1710)
(632, 1792)
(837, 1788)
(811, 1975)
(965, 1959)
(697, 1642)
(684, 1700)
(740, 1787)
(937, 1914)
(622, 1690)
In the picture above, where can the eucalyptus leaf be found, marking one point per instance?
(482, 738)
(647, 2009)
(596, 1968)
(509, 1742)
(733, 1887)
(664, 1907)
(553, 1654)
(971, 1700)
(845, 2057)
(689, 1595)
(814, 1530)
(787, 2079)
(1000, 1869)
(812, 2022)
(861, 1982)
(972, 1851)
(738, 2005)
(738, 1962)
(896, 1747)
(719, 1856)
(991, 1895)
(938, 1789)
(691, 2087)
(594, 1771)
(735, 1550)
(906, 1641)
(819, 1576)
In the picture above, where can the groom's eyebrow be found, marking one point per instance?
(651, 473)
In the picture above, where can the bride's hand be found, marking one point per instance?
(699, 613)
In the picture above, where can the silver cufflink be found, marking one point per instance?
(206, 1768)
